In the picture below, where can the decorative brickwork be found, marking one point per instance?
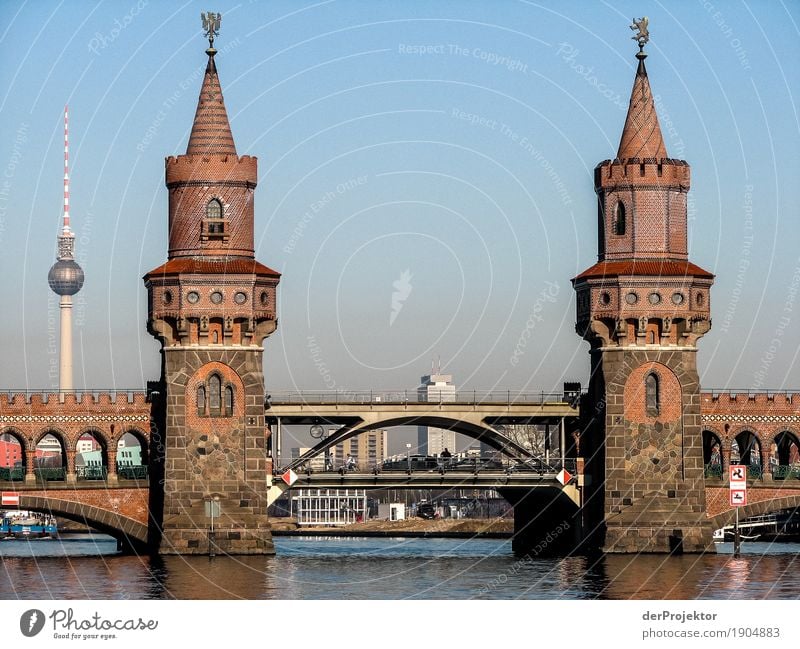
(643, 307)
(211, 306)
(107, 417)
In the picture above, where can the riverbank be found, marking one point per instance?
(498, 528)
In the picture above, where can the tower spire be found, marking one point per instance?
(641, 136)
(66, 228)
(211, 131)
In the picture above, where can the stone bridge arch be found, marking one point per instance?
(791, 501)
(474, 430)
(132, 534)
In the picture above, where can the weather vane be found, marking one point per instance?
(643, 36)
(211, 23)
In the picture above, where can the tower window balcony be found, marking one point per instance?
(215, 230)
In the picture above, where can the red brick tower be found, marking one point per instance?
(643, 307)
(211, 306)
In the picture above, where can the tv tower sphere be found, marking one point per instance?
(65, 277)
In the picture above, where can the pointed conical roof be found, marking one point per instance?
(211, 131)
(641, 137)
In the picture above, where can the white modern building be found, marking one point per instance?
(330, 506)
(436, 388)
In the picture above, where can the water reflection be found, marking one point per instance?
(337, 568)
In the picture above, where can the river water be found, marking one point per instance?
(87, 567)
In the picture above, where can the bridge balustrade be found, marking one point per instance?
(132, 472)
(428, 464)
(91, 472)
(12, 474)
(786, 472)
(474, 397)
(50, 474)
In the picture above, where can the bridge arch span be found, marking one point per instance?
(474, 430)
(756, 509)
(131, 533)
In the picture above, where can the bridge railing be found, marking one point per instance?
(430, 464)
(472, 397)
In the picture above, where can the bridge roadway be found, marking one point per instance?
(471, 413)
(426, 480)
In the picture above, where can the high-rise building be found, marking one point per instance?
(436, 388)
(66, 276)
(368, 449)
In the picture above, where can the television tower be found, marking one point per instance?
(66, 276)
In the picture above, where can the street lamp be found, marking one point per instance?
(408, 456)
(212, 511)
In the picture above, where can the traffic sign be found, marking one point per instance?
(10, 498)
(564, 476)
(289, 477)
(738, 474)
(738, 497)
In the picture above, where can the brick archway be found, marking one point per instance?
(757, 509)
(127, 525)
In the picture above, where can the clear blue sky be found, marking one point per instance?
(467, 164)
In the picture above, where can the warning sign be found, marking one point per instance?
(738, 474)
(289, 477)
(738, 497)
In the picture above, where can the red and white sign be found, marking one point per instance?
(10, 498)
(289, 477)
(738, 497)
(738, 475)
(564, 476)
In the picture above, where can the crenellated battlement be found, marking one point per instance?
(644, 171)
(56, 403)
(761, 403)
(211, 169)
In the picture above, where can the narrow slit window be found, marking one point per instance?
(619, 219)
(229, 401)
(214, 395)
(652, 395)
(201, 401)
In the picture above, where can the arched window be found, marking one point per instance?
(215, 337)
(201, 401)
(214, 394)
(228, 401)
(214, 209)
(651, 394)
(215, 219)
(619, 219)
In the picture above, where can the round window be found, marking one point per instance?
(631, 298)
(193, 297)
(239, 297)
(216, 297)
(654, 298)
(677, 298)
